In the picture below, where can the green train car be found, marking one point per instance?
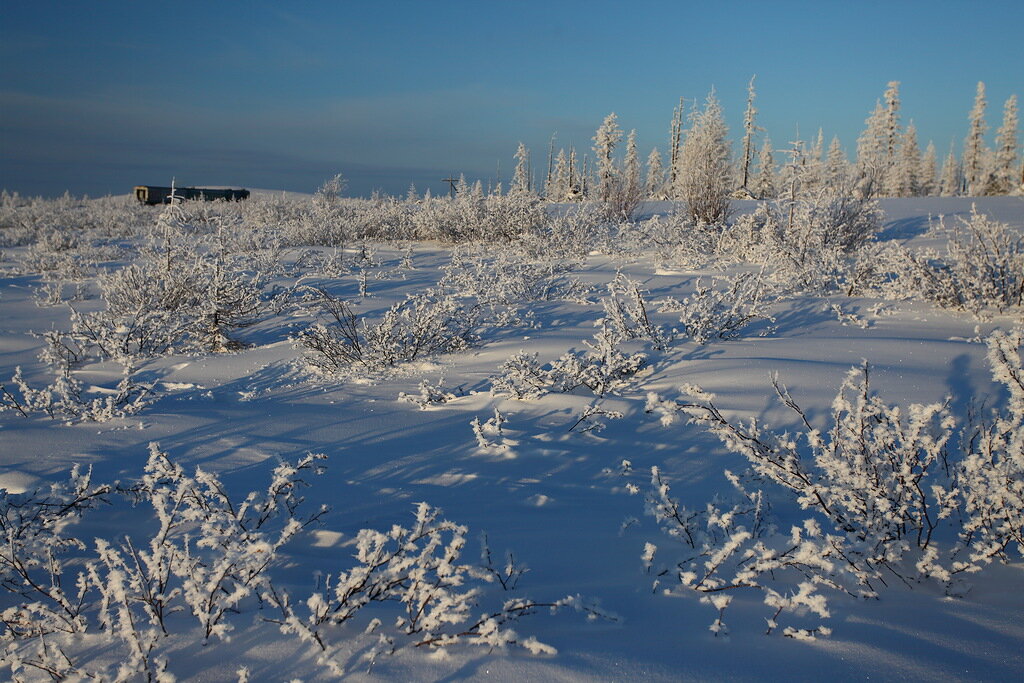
(151, 194)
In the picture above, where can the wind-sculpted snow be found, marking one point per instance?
(508, 361)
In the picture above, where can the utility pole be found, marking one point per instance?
(451, 184)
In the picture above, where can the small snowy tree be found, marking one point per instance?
(750, 129)
(705, 176)
(837, 168)
(559, 188)
(1004, 173)
(974, 146)
(902, 179)
(606, 138)
(521, 175)
(655, 174)
(764, 185)
(950, 183)
(877, 145)
(927, 172)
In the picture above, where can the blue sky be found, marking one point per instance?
(97, 97)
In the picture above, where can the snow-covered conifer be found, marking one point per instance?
(837, 168)
(876, 147)
(521, 176)
(764, 185)
(1004, 172)
(558, 191)
(974, 145)
(674, 146)
(606, 138)
(902, 176)
(705, 175)
(949, 184)
(631, 163)
(814, 166)
(927, 172)
(750, 128)
(655, 174)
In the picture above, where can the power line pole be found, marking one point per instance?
(451, 184)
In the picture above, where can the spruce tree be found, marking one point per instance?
(814, 167)
(674, 145)
(927, 173)
(705, 168)
(764, 185)
(837, 168)
(655, 174)
(631, 164)
(750, 128)
(974, 145)
(1004, 172)
(871, 153)
(902, 178)
(559, 190)
(521, 176)
(606, 138)
(950, 184)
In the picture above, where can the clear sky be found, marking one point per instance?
(98, 96)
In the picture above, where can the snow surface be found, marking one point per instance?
(553, 497)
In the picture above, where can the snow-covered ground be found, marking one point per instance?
(546, 490)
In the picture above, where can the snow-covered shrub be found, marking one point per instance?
(568, 233)
(991, 476)
(424, 324)
(34, 556)
(506, 277)
(982, 267)
(210, 551)
(807, 240)
(186, 293)
(430, 395)
(489, 434)
(626, 314)
(722, 551)
(721, 308)
(878, 476)
(907, 492)
(420, 568)
(63, 397)
(675, 238)
(207, 554)
(602, 368)
(522, 376)
(592, 418)
(472, 217)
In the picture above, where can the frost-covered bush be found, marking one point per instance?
(472, 217)
(723, 550)
(506, 277)
(675, 238)
(568, 233)
(207, 554)
(721, 308)
(34, 556)
(211, 557)
(420, 568)
(907, 492)
(991, 476)
(430, 395)
(186, 293)
(424, 324)
(63, 398)
(626, 314)
(602, 368)
(981, 268)
(808, 241)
